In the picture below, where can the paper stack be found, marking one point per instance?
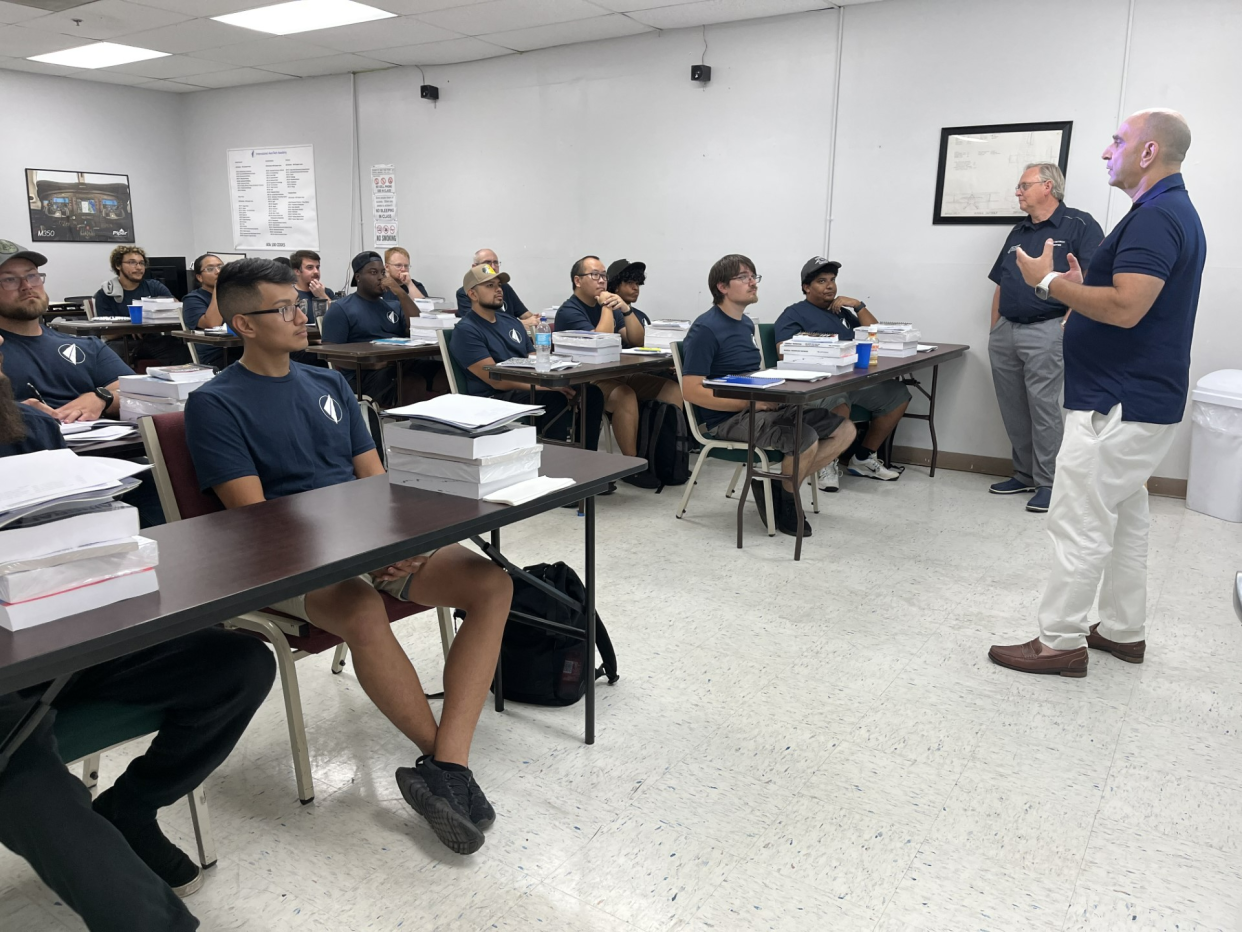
(426, 324)
(162, 389)
(896, 339)
(66, 547)
(160, 310)
(818, 352)
(663, 333)
(588, 345)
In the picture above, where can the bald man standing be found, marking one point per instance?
(1127, 370)
(513, 304)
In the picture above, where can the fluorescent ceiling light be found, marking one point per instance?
(284, 19)
(98, 55)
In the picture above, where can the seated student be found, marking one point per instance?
(266, 427)
(397, 278)
(513, 304)
(198, 308)
(723, 341)
(129, 286)
(488, 336)
(824, 311)
(109, 861)
(305, 264)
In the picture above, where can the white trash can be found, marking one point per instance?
(1215, 484)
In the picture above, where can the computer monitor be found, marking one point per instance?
(171, 271)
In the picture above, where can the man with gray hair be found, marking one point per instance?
(513, 304)
(1024, 345)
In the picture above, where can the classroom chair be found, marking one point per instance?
(291, 638)
(193, 347)
(731, 451)
(86, 730)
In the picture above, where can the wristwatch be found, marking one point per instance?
(627, 313)
(859, 306)
(106, 396)
(1041, 290)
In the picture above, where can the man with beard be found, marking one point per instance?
(305, 265)
(129, 286)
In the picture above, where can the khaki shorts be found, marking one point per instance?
(394, 587)
(876, 400)
(774, 430)
(645, 385)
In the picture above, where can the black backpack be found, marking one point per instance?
(664, 442)
(542, 667)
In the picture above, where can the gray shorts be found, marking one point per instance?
(874, 399)
(774, 430)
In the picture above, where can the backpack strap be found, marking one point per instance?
(603, 643)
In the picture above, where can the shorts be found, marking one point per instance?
(876, 400)
(396, 588)
(774, 430)
(646, 386)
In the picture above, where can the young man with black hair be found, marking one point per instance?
(306, 266)
(266, 427)
(129, 286)
(108, 860)
(723, 341)
(513, 304)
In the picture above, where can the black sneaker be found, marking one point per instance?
(442, 797)
(481, 812)
(166, 860)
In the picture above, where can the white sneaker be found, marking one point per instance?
(829, 478)
(872, 468)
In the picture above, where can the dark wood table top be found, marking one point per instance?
(583, 372)
(217, 566)
(375, 353)
(228, 340)
(800, 393)
(110, 328)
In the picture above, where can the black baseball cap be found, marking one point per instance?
(621, 265)
(362, 260)
(814, 266)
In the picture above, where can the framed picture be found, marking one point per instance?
(79, 207)
(980, 167)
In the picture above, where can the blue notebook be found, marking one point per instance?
(744, 381)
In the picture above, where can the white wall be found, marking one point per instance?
(59, 123)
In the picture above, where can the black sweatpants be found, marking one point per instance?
(209, 685)
(556, 423)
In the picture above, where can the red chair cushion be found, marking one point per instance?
(191, 501)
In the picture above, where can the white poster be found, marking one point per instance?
(385, 234)
(273, 195)
(383, 194)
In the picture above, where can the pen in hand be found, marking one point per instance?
(38, 395)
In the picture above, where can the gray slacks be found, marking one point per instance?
(1029, 375)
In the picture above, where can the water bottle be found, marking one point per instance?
(543, 344)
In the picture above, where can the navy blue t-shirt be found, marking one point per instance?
(297, 432)
(1146, 368)
(193, 307)
(147, 288)
(354, 319)
(42, 433)
(513, 304)
(1070, 231)
(394, 302)
(475, 338)
(805, 317)
(575, 314)
(717, 345)
(61, 367)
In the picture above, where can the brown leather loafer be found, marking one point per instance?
(1028, 659)
(1130, 653)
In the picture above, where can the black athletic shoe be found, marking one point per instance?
(787, 514)
(169, 863)
(481, 812)
(442, 797)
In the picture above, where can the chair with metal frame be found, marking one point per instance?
(292, 638)
(192, 346)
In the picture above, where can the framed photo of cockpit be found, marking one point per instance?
(79, 207)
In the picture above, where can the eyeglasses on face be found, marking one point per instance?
(136, 263)
(400, 266)
(288, 313)
(1023, 185)
(211, 268)
(747, 278)
(598, 276)
(13, 282)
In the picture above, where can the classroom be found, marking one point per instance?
(620, 465)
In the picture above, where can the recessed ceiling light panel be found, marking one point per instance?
(285, 19)
(98, 55)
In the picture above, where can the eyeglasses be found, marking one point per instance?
(211, 268)
(13, 282)
(494, 265)
(598, 276)
(136, 263)
(747, 278)
(288, 313)
(399, 267)
(1023, 185)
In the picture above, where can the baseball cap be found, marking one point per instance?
(10, 250)
(482, 273)
(615, 270)
(814, 266)
(362, 260)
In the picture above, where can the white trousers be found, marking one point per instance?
(1098, 522)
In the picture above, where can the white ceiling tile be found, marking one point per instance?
(175, 87)
(174, 66)
(415, 7)
(235, 77)
(505, 15)
(441, 53)
(106, 19)
(191, 36)
(269, 51)
(20, 42)
(383, 34)
(206, 7)
(17, 13)
(333, 64)
(37, 67)
(629, 6)
(106, 76)
(707, 12)
(611, 26)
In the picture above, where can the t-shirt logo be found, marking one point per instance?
(72, 353)
(514, 336)
(331, 410)
(392, 317)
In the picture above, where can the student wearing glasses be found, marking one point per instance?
(267, 427)
(397, 278)
(128, 286)
(513, 305)
(198, 307)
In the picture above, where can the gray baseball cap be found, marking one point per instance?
(10, 250)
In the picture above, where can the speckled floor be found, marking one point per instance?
(808, 746)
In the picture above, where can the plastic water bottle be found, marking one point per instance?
(543, 344)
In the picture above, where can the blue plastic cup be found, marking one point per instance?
(864, 356)
(135, 313)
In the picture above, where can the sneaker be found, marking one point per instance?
(1010, 487)
(481, 812)
(1040, 500)
(166, 860)
(872, 468)
(442, 797)
(829, 478)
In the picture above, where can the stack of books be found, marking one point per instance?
(818, 352)
(663, 333)
(896, 340)
(427, 323)
(462, 445)
(161, 390)
(588, 345)
(65, 545)
(160, 310)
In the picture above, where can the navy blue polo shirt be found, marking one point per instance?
(354, 319)
(513, 304)
(805, 317)
(61, 367)
(1070, 231)
(394, 302)
(718, 345)
(576, 314)
(298, 432)
(193, 307)
(1146, 368)
(42, 433)
(476, 338)
(147, 288)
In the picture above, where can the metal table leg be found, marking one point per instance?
(34, 715)
(750, 471)
(931, 419)
(498, 685)
(589, 666)
(358, 379)
(797, 488)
